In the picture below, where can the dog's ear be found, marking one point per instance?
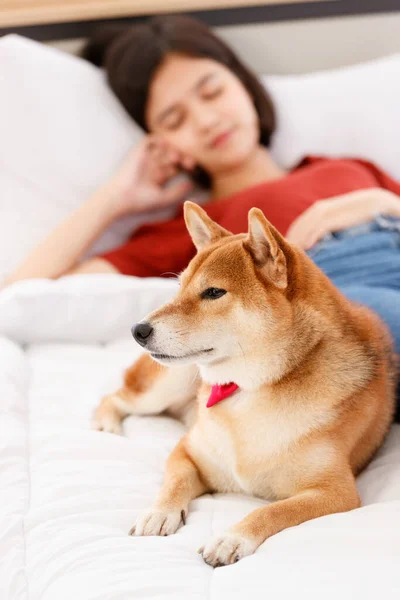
(202, 229)
(266, 246)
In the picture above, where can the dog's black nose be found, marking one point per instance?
(141, 332)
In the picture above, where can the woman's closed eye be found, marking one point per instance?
(177, 119)
(174, 122)
(210, 94)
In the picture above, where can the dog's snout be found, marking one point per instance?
(142, 332)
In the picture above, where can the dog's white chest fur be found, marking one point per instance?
(238, 446)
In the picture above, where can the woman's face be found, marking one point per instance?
(204, 111)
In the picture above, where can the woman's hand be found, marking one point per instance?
(340, 212)
(139, 184)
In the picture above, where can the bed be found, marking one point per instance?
(68, 494)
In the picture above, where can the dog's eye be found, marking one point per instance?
(213, 293)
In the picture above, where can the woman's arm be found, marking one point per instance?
(340, 212)
(59, 253)
(138, 186)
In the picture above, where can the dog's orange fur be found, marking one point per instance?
(316, 376)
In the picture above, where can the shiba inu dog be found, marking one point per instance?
(288, 386)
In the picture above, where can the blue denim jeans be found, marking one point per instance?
(364, 263)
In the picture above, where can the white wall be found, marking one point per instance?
(307, 45)
(300, 46)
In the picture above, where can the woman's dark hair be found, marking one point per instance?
(130, 56)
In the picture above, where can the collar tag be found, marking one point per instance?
(220, 392)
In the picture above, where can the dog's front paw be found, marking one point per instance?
(227, 549)
(107, 417)
(159, 522)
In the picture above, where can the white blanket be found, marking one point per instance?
(69, 495)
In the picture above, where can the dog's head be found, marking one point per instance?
(233, 314)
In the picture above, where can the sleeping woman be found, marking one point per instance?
(205, 113)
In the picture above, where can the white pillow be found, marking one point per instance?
(80, 308)
(352, 111)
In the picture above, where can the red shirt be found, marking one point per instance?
(159, 248)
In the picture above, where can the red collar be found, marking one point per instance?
(220, 392)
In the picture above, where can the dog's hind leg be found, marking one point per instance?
(148, 389)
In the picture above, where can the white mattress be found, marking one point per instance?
(69, 495)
